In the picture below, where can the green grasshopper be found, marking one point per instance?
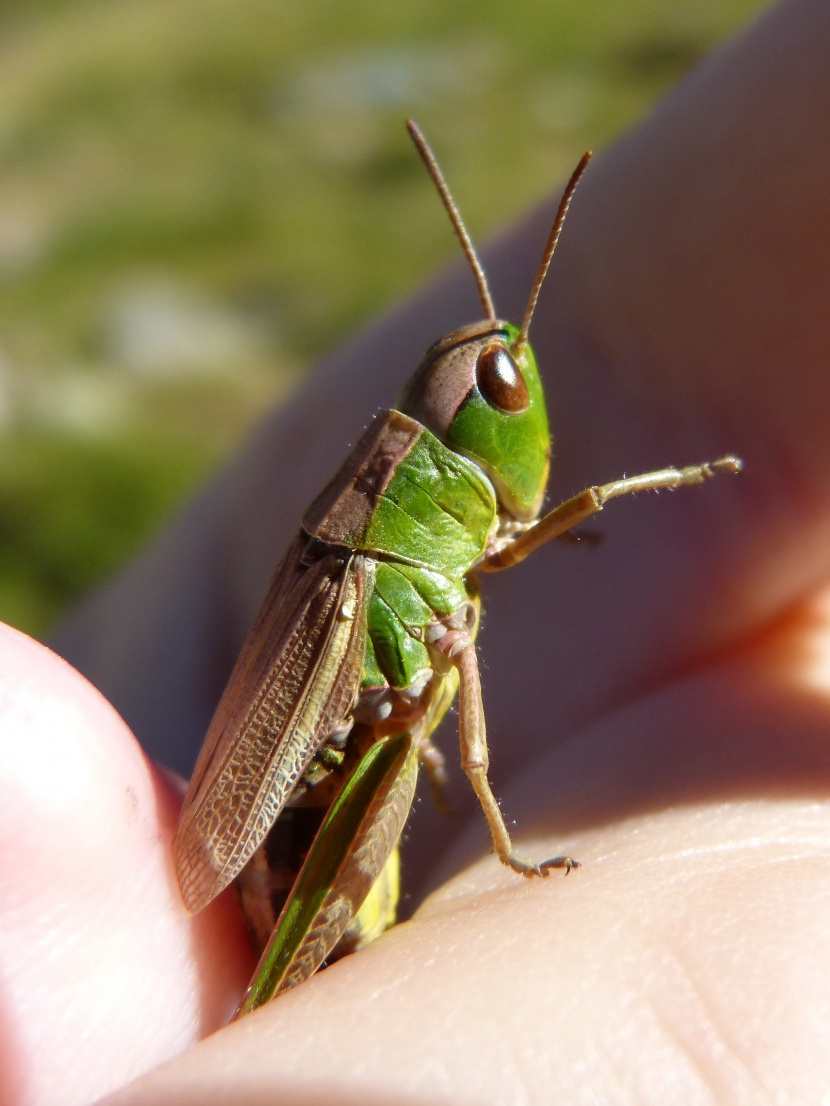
(367, 631)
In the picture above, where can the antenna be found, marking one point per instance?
(434, 170)
(542, 271)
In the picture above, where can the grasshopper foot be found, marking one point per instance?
(566, 862)
(529, 869)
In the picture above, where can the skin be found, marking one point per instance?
(658, 706)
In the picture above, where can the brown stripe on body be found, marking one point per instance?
(342, 513)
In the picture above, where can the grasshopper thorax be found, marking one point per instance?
(483, 398)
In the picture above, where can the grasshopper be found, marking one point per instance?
(365, 635)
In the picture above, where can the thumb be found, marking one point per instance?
(100, 964)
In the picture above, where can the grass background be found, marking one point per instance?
(197, 197)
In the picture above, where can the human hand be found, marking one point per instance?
(659, 704)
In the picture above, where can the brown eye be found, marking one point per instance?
(500, 381)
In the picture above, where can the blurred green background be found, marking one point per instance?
(197, 197)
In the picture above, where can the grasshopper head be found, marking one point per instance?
(478, 389)
(483, 398)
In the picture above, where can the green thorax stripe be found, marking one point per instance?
(404, 600)
(404, 494)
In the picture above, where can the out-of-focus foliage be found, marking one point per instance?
(198, 196)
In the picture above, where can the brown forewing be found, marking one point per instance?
(295, 681)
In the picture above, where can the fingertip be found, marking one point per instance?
(104, 973)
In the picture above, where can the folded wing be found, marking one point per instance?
(294, 683)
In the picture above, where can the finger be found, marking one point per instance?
(685, 961)
(686, 317)
(102, 970)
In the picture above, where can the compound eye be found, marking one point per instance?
(500, 380)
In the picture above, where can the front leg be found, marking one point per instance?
(459, 649)
(575, 510)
